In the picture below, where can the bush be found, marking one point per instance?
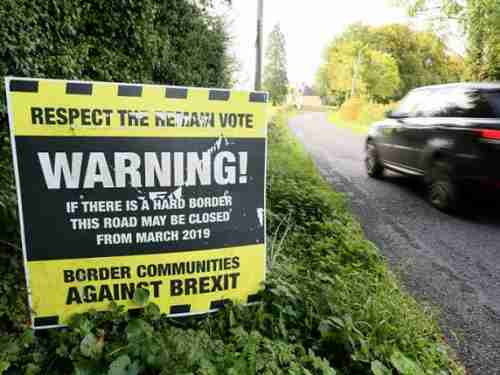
(350, 110)
(363, 111)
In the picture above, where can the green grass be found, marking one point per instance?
(364, 318)
(329, 305)
(358, 127)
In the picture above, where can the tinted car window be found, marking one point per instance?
(433, 104)
(462, 102)
(493, 98)
(409, 106)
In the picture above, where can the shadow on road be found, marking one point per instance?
(482, 207)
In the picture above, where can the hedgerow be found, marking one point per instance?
(329, 305)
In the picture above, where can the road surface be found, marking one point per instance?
(450, 262)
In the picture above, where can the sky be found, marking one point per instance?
(308, 27)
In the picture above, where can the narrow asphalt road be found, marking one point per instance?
(452, 263)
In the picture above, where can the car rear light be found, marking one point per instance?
(490, 134)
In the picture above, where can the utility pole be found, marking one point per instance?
(259, 43)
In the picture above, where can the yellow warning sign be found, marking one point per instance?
(126, 186)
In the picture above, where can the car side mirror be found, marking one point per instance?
(389, 113)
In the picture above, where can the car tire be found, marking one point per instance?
(443, 192)
(373, 165)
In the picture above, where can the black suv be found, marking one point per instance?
(447, 134)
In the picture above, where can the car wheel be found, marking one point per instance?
(374, 167)
(443, 191)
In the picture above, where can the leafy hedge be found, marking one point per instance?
(163, 41)
(329, 306)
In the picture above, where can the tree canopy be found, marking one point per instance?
(480, 21)
(385, 62)
(275, 71)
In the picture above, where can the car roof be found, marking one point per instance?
(465, 85)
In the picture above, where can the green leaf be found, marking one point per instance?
(138, 329)
(152, 311)
(141, 296)
(120, 366)
(4, 365)
(27, 338)
(378, 368)
(86, 367)
(405, 365)
(91, 346)
(62, 350)
(32, 369)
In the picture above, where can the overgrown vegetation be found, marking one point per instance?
(329, 305)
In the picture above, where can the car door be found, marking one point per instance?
(419, 130)
(400, 131)
(416, 130)
(413, 137)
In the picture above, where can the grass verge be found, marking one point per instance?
(329, 306)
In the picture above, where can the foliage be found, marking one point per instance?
(343, 66)
(380, 74)
(169, 42)
(358, 114)
(322, 84)
(480, 20)
(275, 71)
(357, 69)
(405, 58)
(329, 306)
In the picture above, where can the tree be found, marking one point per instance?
(342, 60)
(358, 70)
(323, 89)
(380, 74)
(275, 72)
(480, 21)
(361, 55)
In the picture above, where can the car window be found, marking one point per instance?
(410, 104)
(493, 98)
(451, 102)
(433, 104)
(471, 103)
